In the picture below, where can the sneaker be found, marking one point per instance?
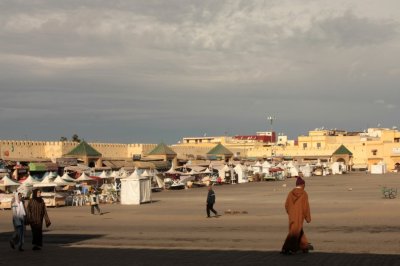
(12, 244)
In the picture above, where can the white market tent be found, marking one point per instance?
(50, 175)
(46, 182)
(379, 168)
(146, 174)
(6, 181)
(135, 189)
(306, 170)
(61, 182)
(225, 172)
(207, 171)
(104, 175)
(30, 181)
(257, 167)
(171, 170)
(83, 177)
(265, 167)
(292, 168)
(193, 172)
(114, 174)
(241, 172)
(67, 178)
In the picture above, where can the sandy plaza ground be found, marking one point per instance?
(352, 224)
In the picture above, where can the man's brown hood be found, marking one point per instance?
(295, 194)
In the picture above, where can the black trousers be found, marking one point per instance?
(37, 235)
(210, 207)
(92, 207)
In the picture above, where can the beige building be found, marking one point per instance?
(17, 150)
(366, 148)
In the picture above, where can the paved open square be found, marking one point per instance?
(352, 224)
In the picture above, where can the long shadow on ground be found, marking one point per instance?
(60, 239)
(54, 254)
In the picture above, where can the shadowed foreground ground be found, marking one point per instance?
(352, 225)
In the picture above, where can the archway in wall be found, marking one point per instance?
(397, 166)
(92, 164)
(341, 160)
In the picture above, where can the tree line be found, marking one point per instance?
(74, 138)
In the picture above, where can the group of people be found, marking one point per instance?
(296, 205)
(32, 215)
(298, 210)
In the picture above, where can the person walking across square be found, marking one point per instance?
(211, 202)
(94, 202)
(18, 209)
(298, 210)
(36, 212)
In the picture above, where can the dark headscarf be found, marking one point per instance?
(34, 195)
(300, 181)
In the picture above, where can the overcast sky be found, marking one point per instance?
(152, 71)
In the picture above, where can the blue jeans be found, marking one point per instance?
(18, 236)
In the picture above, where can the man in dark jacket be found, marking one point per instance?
(36, 212)
(211, 202)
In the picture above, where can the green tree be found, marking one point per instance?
(75, 138)
(63, 139)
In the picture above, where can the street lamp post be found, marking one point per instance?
(271, 118)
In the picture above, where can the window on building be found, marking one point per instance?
(318, 145)
(304, 145)
(374, 152)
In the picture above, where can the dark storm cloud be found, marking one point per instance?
(156, 70)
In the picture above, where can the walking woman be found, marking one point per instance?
(36, 211)
(18, 210)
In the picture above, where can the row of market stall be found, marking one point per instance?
(115, 186)
(56, 190)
